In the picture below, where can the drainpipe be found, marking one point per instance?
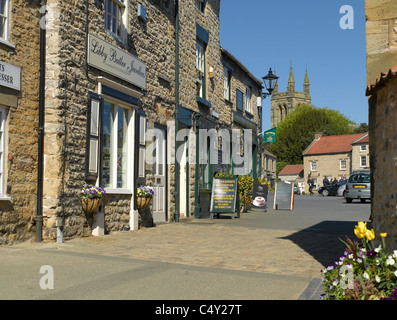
(40, 155)
(177, 186)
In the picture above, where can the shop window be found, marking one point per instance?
(116, 156)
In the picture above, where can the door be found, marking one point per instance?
(159, 173)
(183, 168)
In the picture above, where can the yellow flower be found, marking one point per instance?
(383, 235)
(360, 230)
(370, 235)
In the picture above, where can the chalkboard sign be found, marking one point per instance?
(225, 197)
(259, 197)
(284, 196)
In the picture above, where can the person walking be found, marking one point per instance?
(325, 181)
(310, 182)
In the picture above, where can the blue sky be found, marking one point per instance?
(263, 34)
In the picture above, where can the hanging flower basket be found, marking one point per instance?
(143, 203)
(91, 205)
(92, 198)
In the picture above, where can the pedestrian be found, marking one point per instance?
(310, 182)
(325, 181)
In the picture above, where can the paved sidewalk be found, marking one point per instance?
(262, 256)
(281, 268)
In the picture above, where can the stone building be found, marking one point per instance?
(360, 154)
(283, 103)
(331, 157)
(19, 112)
(114, 94)
(381, 42)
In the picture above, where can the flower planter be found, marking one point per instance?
(91, 205)
(143, 203)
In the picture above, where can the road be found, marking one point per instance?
(261, 256)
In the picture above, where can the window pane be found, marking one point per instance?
(3, 8)
(122, 147)
(107, 120)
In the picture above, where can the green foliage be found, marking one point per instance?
(296, 132)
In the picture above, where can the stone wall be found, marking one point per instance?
(18, 208)
(381, 37)
(383, 157)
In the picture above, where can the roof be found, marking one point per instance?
(333, 144)
(292, 169)
(364, 139)
(235, 60)
(381, 81)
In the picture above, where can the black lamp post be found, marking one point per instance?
(270, 82)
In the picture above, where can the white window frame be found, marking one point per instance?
(3, 119)
(313, 166)
(121, 19)
(227, 83)
(248, 98)
(361, 161)
(6, 17)
(341, 167)
(200, 66)
(363, 148)
(130, 152)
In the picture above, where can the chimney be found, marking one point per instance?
(318, 135)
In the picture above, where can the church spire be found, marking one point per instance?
(306, 84)
(291, 82)
(276, 87)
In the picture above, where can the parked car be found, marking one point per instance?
(358, 187)
(341, 190)
(330, 190)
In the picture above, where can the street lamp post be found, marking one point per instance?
(270, 81)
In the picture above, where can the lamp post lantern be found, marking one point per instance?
(270, 81)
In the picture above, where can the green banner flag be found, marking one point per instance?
(270, 135)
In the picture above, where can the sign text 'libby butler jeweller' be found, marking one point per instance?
(107, 57)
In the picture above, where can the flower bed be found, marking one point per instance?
(364, 272)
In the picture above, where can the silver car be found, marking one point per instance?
(341, 190)
(358, 187)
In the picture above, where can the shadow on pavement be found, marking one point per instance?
(322, 241)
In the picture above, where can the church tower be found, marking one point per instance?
(283, 103)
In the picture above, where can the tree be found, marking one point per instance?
(296, 132)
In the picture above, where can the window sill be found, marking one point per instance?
(118, 191)
(203, 102)
(6, 43)
(5, 198)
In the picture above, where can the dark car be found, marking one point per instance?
(330, 190)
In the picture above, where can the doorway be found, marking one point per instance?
(160, 178)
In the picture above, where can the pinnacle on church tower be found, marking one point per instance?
(275, 90)
(306, 84)
(291, 82)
